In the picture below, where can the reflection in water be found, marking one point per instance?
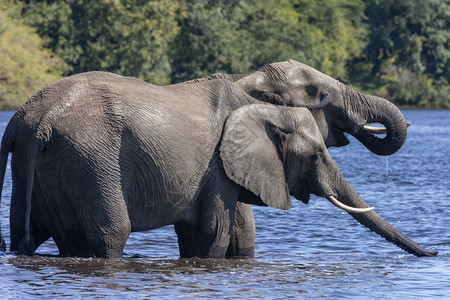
(342, 276)
(339, 277)
(144, 276)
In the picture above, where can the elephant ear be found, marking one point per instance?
(250, 154)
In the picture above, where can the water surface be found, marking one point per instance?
(311, 251)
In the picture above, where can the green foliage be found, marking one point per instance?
(333, 33)
(398, 49)
(409, 89)
(211, 40)
(408, 52)
(25, 66)
(129, 37)
(416, 33)
(240, 36)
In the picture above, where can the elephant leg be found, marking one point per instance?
(192, 240)
(54, 215)
(69, 235)
(40, 216)
(242, 242)
(106, 226)
(87, 222)
(39, 232)
(195, 241)
(16, 222)
(72, 241)
(210, 242)
(38, 235)
(17, 205)
(75, 243)
(210, 237)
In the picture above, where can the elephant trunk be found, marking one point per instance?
(348, 196)
(364, 109)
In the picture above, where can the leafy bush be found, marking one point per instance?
(25, 66)
(401, 86)
(128, 37)
(399, 49)
(409, 89)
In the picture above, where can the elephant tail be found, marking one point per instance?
(27, 245)
(6, 147)
(41, 139)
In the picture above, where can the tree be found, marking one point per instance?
(25, 66)
(239, 36)
(211, 39)
(408, 56)
(415, 33)
(129, 37)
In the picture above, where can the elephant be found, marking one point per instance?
(336, 107)
(116, 154)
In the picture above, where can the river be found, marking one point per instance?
(310, 251)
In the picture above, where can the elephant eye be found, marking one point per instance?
(273, 97)
(315, 157)
(311, 90)
(323, 96)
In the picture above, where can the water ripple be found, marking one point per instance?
(310, 251)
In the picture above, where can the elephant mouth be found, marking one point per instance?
(337, 137)
(300, 190)
(342, 140)
(302, 193)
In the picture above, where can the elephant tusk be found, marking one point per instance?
(375, 130)
(347, 208)
(379, 130)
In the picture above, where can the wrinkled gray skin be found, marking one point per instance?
(137, 149)
(336, 107)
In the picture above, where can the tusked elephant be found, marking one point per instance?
(336, 109)
(116, 155)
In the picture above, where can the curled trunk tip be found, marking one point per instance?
(372, 109)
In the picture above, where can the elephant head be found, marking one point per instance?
(336, 107)
(275, 152)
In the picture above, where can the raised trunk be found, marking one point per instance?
(374, 222)
(363, 109)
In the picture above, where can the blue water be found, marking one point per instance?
(311, 251)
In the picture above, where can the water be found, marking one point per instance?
(311, 251)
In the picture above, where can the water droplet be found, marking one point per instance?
(388, 168)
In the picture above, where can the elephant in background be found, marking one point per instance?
(336, 107)
(116, 155)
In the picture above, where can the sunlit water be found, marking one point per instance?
(310, 251)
